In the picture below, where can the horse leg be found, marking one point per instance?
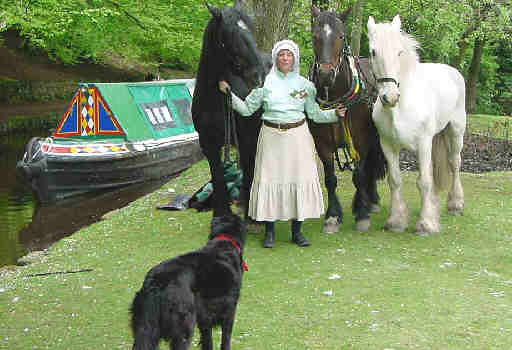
(334, 213)
(428, 221)
(361, 203)
(220, 199)
(455, 202)
(398, 219)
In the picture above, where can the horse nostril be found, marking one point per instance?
(325, 67)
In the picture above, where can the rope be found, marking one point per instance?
(229, 127)
(348, 139)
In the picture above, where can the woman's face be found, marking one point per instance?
(285, 61)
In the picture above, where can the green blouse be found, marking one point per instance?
(284, 99)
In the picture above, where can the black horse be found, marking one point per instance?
(228, 53)
(341, 79)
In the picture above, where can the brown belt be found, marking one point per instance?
(284, 126)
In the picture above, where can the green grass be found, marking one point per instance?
(490, 125)
(395, 290)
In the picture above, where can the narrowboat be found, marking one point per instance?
(113, 135)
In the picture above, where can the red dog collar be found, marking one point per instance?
(230, 240)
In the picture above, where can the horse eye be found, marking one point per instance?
(373, 53)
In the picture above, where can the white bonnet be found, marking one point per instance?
(286, 45)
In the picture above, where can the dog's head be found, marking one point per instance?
(231, 225)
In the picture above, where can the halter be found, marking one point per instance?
(351, 97)
(335, 69)
(354, 94)
(223, 237)
(387, 80)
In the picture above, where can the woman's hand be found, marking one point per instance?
(224, 86)
(341, 111)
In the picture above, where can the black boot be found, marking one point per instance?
(297, 237)
(268, 242)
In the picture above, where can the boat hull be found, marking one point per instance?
(55, 174)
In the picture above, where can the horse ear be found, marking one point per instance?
(396, 24)
(344, 15)
(216, 13)
(371, 25)
(315, 11)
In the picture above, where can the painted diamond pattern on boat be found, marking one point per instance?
(87, 149)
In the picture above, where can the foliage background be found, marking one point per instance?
(168, 34)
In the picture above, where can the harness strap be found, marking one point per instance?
(388, 80)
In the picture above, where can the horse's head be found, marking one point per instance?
(328, 32)
(235, 41)
(391, 54)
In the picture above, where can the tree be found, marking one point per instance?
(473, 73)
(357, 22)
(271, 20)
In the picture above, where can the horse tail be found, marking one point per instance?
(376, 163)
(440, 165)
(145, 321)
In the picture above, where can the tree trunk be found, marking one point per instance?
(473, 75)
(357, 22)
(271, 20)
(480, 16)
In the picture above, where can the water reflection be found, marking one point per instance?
(16, 200)
(50, 223)
(25, 225)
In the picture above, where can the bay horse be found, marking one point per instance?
(421, 107)
(228, 53)
(341, 79)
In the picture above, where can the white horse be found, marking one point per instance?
(421, 107)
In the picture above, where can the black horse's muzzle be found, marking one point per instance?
(255, 77)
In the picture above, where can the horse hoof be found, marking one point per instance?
(363, 225)
(456, 210)
(331, 225)
(425, 229)
(374, 208)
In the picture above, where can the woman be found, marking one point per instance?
(286, 184)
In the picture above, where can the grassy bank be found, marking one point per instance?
(374, 290)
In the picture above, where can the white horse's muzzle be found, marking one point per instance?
(391, 94)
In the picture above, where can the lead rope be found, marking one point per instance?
(229, 125)
(227, 128)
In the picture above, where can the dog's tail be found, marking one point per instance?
(145, 320)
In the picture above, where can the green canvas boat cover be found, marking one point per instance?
(128, 111)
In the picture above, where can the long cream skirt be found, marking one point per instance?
(286, 184)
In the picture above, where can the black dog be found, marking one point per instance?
(201, 287)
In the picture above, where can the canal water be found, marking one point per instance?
(27, 226)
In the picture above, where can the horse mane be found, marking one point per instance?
(411, 46)
(213, 62)
(388, 39)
